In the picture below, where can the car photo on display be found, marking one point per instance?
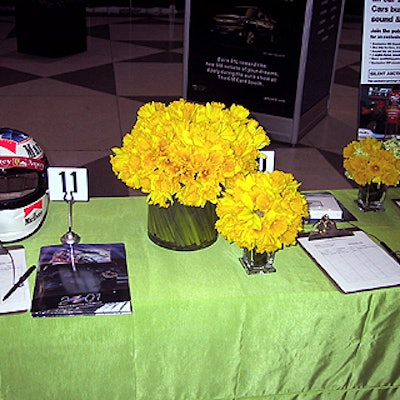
(246, 23)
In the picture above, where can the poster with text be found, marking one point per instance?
(381, 42)
(247, 54)
(379, 114)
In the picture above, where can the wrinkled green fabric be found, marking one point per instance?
(202, 329)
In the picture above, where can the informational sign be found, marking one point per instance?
(380, 70)
(381, 42)
(245, 53)
(274, 57)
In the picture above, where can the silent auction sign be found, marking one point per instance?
(381, 42)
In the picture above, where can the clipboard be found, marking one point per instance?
(12, 266)
(353, 263)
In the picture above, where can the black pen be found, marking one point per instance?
(390, 251)
(21, 280)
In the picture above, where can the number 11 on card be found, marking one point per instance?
(68, 184)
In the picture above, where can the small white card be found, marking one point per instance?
(68, 184)
(267, 164)
(320, 204)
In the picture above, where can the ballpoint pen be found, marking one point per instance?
(21, 280)
(390, 251)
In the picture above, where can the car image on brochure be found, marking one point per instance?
(248, 23)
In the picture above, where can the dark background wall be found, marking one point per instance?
(116, 3)
(179, 4)
(352, 7)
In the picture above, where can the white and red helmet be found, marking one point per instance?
(23, 185)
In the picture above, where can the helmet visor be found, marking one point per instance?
(17, 184)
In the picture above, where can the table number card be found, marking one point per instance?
(267, 164)
(68, 184)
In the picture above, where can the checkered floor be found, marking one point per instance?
(78, 107)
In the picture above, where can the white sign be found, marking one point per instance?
(381, 42)
(267, 164)
(68, 184)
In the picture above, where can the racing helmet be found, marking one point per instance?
(23, 185)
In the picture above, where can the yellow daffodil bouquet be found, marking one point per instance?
(369, 161)
(187, 152)
(262, 211)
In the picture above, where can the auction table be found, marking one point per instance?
(201, 328)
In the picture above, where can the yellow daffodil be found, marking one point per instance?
(187, 152)
(372, 161)
(262, 211)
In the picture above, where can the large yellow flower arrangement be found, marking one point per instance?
(368, 161)
(262, 211)
(187, 152)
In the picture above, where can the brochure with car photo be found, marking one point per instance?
(82, 279)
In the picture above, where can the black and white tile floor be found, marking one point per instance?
(79, 107)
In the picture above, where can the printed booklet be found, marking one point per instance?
(81, 279)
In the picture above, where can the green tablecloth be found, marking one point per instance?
(203, 329)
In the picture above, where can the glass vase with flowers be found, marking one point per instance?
(261, 213)
(374, 165)
(181, 155)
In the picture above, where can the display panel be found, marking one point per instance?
(245, 54)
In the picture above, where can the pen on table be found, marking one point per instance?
(390, 251)
(21, 280)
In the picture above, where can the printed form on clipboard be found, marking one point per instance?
(12, 266)
(354, 263)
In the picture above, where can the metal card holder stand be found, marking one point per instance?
(70, 238)
(69, 185)
(76, 278)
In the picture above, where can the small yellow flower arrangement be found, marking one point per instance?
(369, 161)
(188, 152)
(262, 211)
